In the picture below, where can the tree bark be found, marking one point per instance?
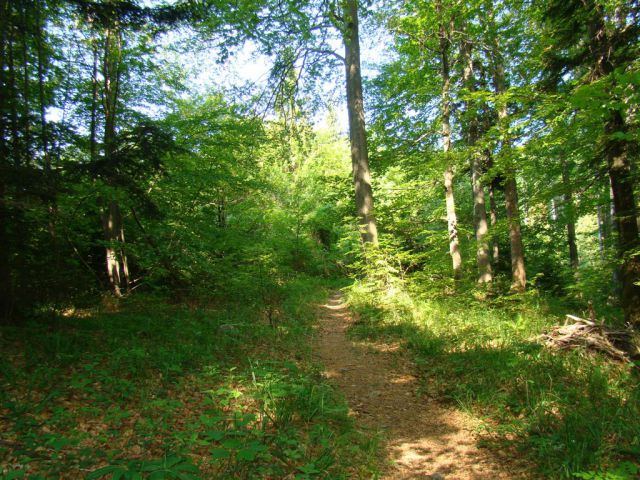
(569, 211)
(485, 274)
(518, 273)
(117, 265)
(5, 266)
(116, 260)
(493, 218)
(357, 129)
(616, 150)
(452, 221)
(621, 178)
(93, 126)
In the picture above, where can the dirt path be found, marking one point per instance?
(423, 440)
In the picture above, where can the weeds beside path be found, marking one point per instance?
(422, 439)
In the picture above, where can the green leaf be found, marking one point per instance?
(219, 454)
(247, 454)
(215, 435)
(232, 444)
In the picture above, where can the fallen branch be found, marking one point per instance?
(616, 343)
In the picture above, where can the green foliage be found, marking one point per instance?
(158, 391)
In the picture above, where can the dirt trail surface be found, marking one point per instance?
(423, 439)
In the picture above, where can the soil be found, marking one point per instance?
(422, 438)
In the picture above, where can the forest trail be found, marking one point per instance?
(422, 439)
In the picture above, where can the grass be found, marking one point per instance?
(159, 391)
(568, 413)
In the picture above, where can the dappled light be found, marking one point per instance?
(319, 240)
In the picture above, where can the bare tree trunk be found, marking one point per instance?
(117, 268)
(357, 129)
(620, 175)
(493, 218)
(117, 265)
(452, 221)
(625, 217)
(479, 209)
(485, 274)
(569, 208)
(5, 265)
(93, 126)
(519, 277)
(111, 76)
(518, 273)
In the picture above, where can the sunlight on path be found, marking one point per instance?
(423, 439)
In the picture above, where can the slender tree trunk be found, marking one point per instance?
(452, 221)
(5, 266)
(93, 126)
(44, 137)
(602, 235)
(569, 208)
(479, 209)
(111, 76)
(357, 129)
(493, 218)
(117, 264)
(620, 175)
(518, 273)
(485, 274)
(625, 217)
(116, 260)
(26, 94)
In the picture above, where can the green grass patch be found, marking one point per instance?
(569, 412)
(163, 391)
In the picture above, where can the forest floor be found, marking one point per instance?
(422, 438)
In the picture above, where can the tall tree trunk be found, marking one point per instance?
(493, 217)
(5, 266)
(93, 126)
(44, 137)
(452, 221)
(479, 208)
(518, 273)
(357, 129)
(116, 260)
(616, 150)
(622, 184)
(111, 76)
(117, 265)
(570, 214)
(26, 94)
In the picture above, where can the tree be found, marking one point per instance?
(444, 34)
(518, 273)
(478, 161)
(594, 45)
(357, 129)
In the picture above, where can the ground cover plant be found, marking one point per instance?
(155, 390)
(181, 180)
(573, 413)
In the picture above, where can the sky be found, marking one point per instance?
(248, 67)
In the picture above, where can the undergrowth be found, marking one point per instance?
(571, 413)
(160, 391)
